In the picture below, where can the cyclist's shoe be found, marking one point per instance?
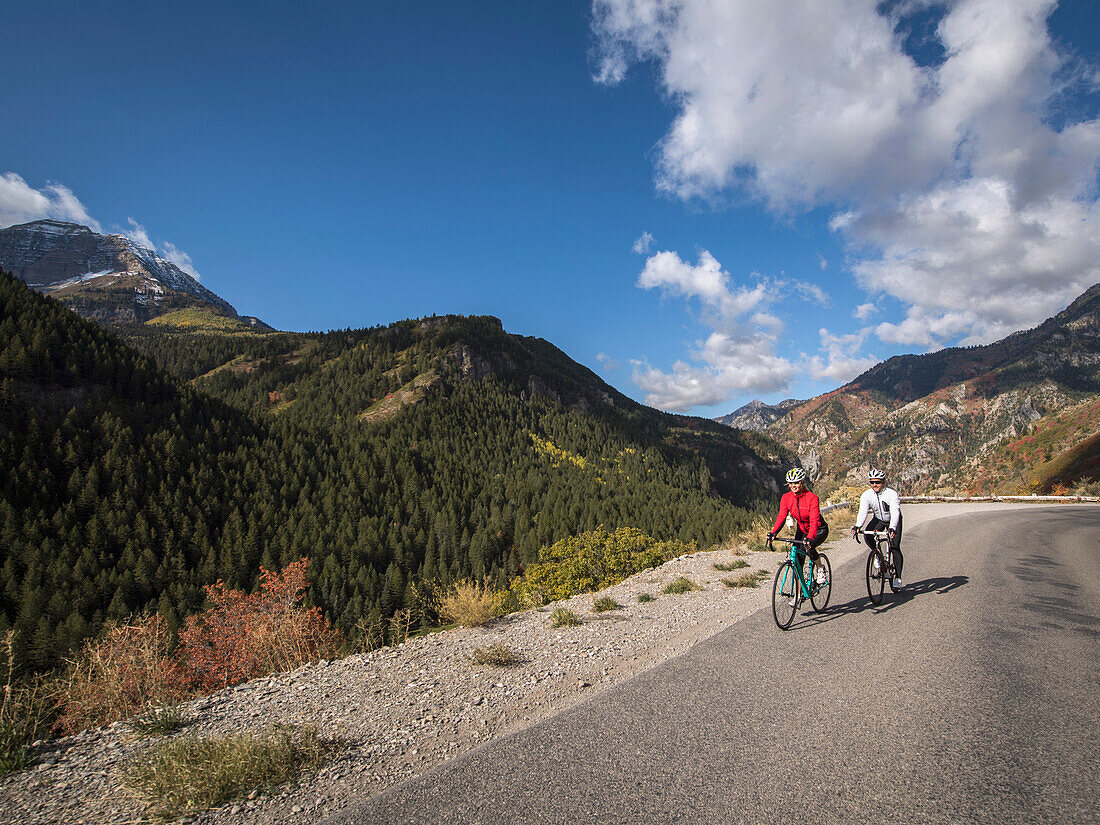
(875, 566)
(896, 584)
(821, 577)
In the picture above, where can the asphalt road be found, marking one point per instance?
(973, 697)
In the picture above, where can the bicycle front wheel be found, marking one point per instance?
(821, 590)
(876, 576)
(785, 595)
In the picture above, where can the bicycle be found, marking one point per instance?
(792, 586)
(880, 566)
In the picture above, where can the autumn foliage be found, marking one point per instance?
(244, 636)
(238, 637)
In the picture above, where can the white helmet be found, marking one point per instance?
(876, 475)
(795, 475)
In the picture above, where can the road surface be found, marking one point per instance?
(972, 697)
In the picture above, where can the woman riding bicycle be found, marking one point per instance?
(804, 507)
(884, 507)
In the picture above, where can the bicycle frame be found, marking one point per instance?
(796, 551)
(881, 537)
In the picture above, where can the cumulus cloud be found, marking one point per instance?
(22, 203)
(952, 187)
(738, 354)
(842, 361)
(643, 244)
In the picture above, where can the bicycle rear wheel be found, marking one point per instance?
(876, 576)
(820, 592)
(785, 595)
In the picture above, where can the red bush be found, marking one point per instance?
(244, 636)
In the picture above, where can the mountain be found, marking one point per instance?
(758, 416)
(103, 277)
(397, 459)
(964, 418)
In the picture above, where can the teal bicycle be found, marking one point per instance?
(797, 581)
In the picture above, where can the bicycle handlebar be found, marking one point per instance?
(799, 542)
(878, 534)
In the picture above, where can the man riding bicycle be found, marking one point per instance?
(884, 507)
(805, 508)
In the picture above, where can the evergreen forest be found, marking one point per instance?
(141, 463)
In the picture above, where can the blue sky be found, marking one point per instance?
(704, 202)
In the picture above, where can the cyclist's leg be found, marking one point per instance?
(895, 545)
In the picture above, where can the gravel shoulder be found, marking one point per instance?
(402, 711)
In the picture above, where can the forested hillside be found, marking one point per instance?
(390, 457)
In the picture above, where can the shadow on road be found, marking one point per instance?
(926, 587)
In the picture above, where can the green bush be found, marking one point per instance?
(605, 603)
(592, 561)
(645, 597)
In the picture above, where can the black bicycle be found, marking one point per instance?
(880, 565)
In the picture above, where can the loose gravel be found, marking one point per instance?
(400, 711)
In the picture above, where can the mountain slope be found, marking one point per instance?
(103, 277)
(124, 488)
(943, 421)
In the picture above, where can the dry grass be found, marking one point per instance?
(750, 578)
(497, 655)
(125, 672)
(645, 597)
(736, 564)
(158, 721)
(754, 538)
(188, 774)
(681, 584)
(563, 617)
(26, 713)
(605, 603)
(470, 604)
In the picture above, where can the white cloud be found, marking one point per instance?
(180, 259)
(22, 203)
(608, 363)
(842, 360)
(824, 264)
(954, 191)
(643, 244)
(810, 292)
(970, 261)
(170, 252)
(864, 311)
(738, 355)
(138, 235)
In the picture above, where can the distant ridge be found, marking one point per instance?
(107, 278)
(758, 416)
(977, 419)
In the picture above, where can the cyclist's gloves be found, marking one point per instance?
(855, 533)
(891, 534)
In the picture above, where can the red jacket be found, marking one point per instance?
(805, 509)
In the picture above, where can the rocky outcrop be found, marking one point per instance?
(105, 277)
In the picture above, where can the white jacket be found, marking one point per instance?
(885, 506)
